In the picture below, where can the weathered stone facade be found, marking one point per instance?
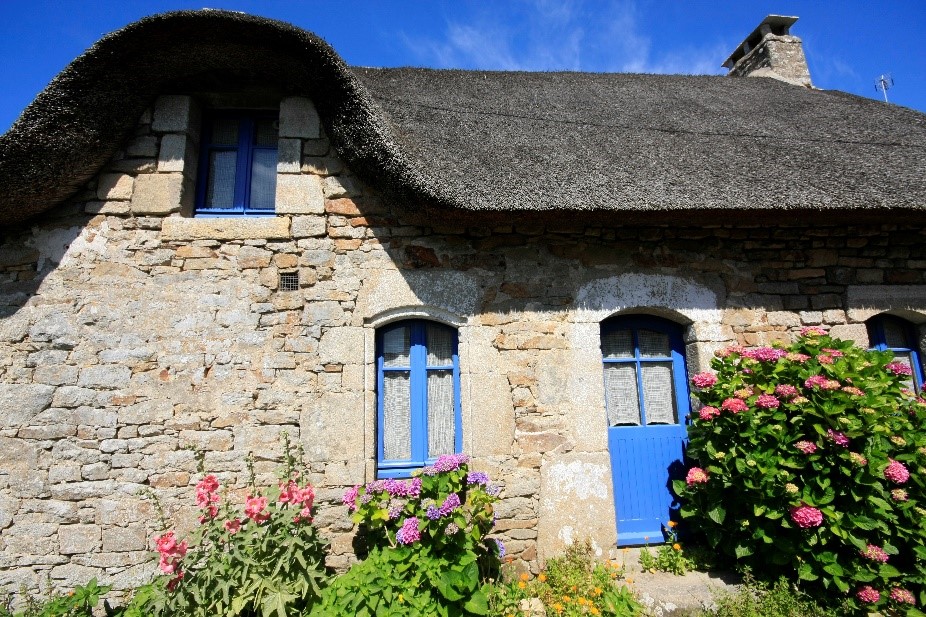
(132, 333)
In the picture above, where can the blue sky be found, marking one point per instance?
(848, 43)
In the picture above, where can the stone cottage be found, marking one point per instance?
(215, 232)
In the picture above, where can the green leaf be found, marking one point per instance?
(888, 571)
(805, 572)
(477, 604)
(743, 550)
(717, 514)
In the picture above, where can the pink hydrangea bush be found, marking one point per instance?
(810, 462)
(242, 552)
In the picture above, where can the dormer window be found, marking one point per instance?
(238, 165)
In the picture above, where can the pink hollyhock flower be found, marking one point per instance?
(172, 583)
(767, 401)
(704, 380)
(166, 543)
(896, 472)
(734, 405)
(208, 484)
(899, 368)
(254, 509)
(409, 531)
(874, 553)
(902, 596)
(838, 438)
(898, 494)
(813, 331)
(806, 516)
(171, 552)
(232, 526)
(696, 475)
(807, 447)
(708, 413)
(868, 594)
(785, 391)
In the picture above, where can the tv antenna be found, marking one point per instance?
(883, 84)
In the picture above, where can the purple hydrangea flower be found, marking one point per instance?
(433, 513)
(494, 490)
(477, 477)
(350, 498)
(450, 504)
(409, 532)
(501, 548)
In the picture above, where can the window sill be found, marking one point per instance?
(229, 228)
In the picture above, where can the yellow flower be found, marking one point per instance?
(401, 598)
(566, 598)
(521, 584)
(594, 611)
(673, 524)
(525, 576)
(542, 577)
(581, 601)
(630, 580)
(677, 546)
(558, 607)
(597, 591)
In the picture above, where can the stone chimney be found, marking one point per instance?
(770, 51)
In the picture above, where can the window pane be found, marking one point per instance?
(621, 388)
(617, 344)
(396, 347)
(265, 132)
(225, 131)
(397, 442)
(440, 345)
(440, 413)
(658, 393)
(895, 335)
(220, 190)
(905, 357)
(263, 179)
(653, 344)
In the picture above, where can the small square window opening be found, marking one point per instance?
(289, 281)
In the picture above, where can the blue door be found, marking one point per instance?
(646, 395)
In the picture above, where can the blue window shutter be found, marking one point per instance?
(249, 190)
(891, 333)
(419, 368)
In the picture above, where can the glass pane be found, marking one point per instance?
(905, 357)
(658, 393)
(653, 344)
(440, 413)
(621, 389)
(396, 347)
(225, 131)
(265, 132)
(263, 179)
(895, 335)
(440, 344)
(220, 189)
(397, 414)
(617, 344)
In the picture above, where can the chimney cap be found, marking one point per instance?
(779, 25)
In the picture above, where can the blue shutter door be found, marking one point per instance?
(647, 404)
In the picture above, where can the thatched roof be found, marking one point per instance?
(628, 146)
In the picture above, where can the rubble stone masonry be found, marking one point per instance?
(132, 333)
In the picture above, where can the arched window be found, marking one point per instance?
(891, 333)
(644, 371)
(418, 395)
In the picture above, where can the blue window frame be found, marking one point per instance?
(891, 333)
(645, 376)
(418, 395)
(238, 164)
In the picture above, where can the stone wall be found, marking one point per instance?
(131, 333)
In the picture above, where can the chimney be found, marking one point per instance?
(770, 51)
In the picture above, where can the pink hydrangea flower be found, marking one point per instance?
(409, 532)
(696, 475)
(807, 447)
(785, 391)
(255, 509)
(232, 526)
(813, 331)
(766, 354)
(730, 350)
(853, 391)
(820, 381)
(868, 594)
(902, 596)
(806, 516)
(898, 494)
(704, 380)
(744, 393)
(896, 472)
(858, 459)
(874, 553)
(800, 358)
(767, 401)
(833, 352)
(350, 498)
(899, 368)
(708, 413)
(837, 437)
(825, 358)
(734, 405)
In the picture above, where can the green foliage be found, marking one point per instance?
(802, 458)
(78, 603)
(571, 585)
(266, 560)
(757, 599)
(669, 557)
(429, 546)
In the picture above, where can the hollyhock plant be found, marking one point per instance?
(819, 481)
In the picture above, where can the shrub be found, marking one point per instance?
(809, 463)
(264, 559)
(79, 602)
(429, 545)
(757, 599)
(571, 585)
